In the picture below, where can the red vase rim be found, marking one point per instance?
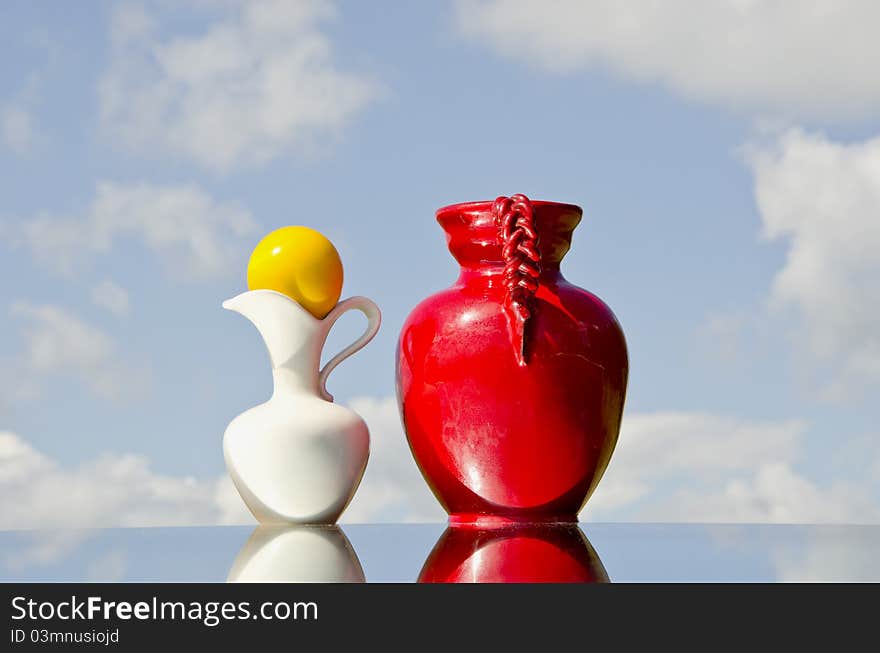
(469, 206)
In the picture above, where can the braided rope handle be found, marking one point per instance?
(522, 265)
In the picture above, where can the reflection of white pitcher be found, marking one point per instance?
(296, 554)
(298, 458)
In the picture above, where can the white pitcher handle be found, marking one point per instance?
(374, 319)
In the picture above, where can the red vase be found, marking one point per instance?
(526, 553)
(511, 382)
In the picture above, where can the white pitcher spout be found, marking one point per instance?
(288, 330)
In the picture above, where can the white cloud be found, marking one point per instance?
(812, 553)
(707, 468)
(108, 294)
(190, 231)
(258, 82)
(823, 199)
(122, 489)
(17, 130)
(668, 467)
(773, 492)
(108, 568)
(43, 548)
(113, 490)
(58, 343)
(829, 555)
(799, 59)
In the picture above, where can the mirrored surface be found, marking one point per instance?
(515, 554)
(297, 554)
(404, 552)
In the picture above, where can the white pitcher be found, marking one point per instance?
(298, 458)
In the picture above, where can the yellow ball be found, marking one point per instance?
(301, 263)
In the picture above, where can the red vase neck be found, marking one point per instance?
(474, 237)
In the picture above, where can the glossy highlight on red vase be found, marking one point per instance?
(499, 432)
(532, 553)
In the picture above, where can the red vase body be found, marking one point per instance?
(511, 382)
(514, 554)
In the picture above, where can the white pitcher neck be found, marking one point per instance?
(288, 381)
(293, 336)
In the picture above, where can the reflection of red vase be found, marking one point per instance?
(514, 554)
(512, 381)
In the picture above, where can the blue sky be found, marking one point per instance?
(724, 154)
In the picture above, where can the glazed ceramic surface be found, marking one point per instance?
(297, 554)
(511, 382)
(299, 457)
(530, 553)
